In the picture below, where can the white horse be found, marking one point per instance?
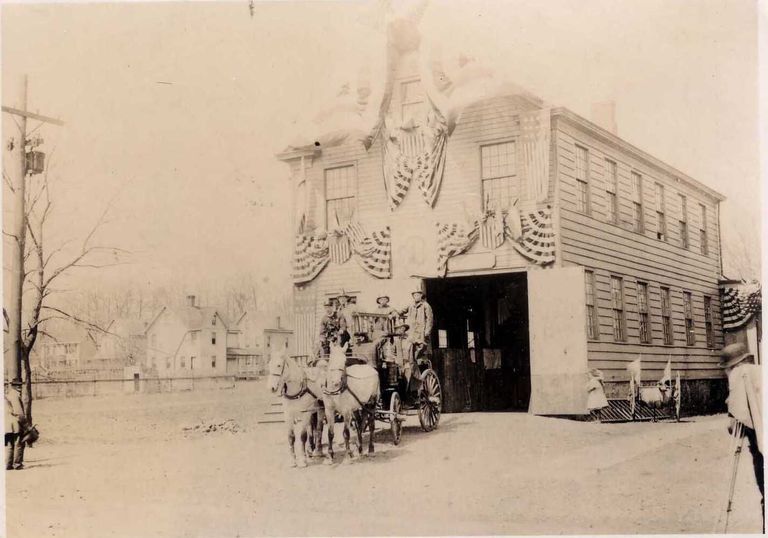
(300, 400)
(353, 392)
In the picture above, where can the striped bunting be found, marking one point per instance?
(453, 239)
(374, 253)
(492, 230)
(739, 306)
(338, 247)
(538, 240)
(418, 155)
(535, 127)
(310, 256)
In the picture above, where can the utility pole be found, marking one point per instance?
(19, 180)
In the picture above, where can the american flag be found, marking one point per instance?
(739, 306)
(428, 167)
(310, 256)
(535, 128)
(453, 239)
(374, 253)
(397, 172)
(537, 242)
(492, 229)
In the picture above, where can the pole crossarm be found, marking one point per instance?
(32, 115)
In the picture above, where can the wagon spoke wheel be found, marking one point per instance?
(395, 423)
(430, 401)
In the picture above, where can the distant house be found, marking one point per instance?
(69, 353)
(187, 342)
(254, 336)
(122, 344)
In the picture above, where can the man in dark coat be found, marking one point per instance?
(329, 328)
(15, 425)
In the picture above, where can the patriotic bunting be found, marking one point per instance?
(740, 304)
(415, 154)
(313, 252)
(531, 235)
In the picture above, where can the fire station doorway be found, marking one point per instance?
(480, 344)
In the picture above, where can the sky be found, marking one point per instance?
(174, 111)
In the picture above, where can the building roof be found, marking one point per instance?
(193, 317)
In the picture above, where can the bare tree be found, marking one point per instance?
(45, 266)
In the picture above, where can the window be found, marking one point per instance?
(661, 219)
(642, 309)
(269, 341)
(183, 362)
(617, 300)
(412, 99)
(499, 171)
(582, 180)
(339, 196)
(666, 317)
(611, 182)
(286, 344)
(589, 285)
(637, 202)
(703, 230)
(213, 361)
(708, 322)
(213, 321)
(683, 222)
(690, 334)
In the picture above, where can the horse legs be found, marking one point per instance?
(329, 417)
(292, 441)
(311, 431)
(302, 462)
(360, 427)
(371, 427)
(349, 455)
(319, 416)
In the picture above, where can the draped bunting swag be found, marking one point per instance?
(739, 306)
(313, 252)
(415, 155)
(531, 235)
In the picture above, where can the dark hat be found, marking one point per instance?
(402, 325)
(733, 354)
(380, 297)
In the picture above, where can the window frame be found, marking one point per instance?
(513, 179)
(592, 325)
(638, 217)
(618, 310)
(404, 103)
(690, 325)
(668, 331)
(643, 311)
(709, 322)
(661, 212)
(703, 235)
(353, 196)
(683, 221)
(582, 183)
(611, 168)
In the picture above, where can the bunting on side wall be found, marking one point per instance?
(313, 251)
(414, 154)
(740, 304)
(530, 234)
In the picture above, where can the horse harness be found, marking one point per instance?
(303, 389)
(344, 386)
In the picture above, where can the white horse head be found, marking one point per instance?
(278, 363)
(336, 366)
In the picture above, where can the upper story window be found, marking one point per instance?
(582, 180)
(709, 322)
(611, 188)
(703, 230)
(499, 175)
(340, 189)
(642, 308)
(213, 321)
(666, 317)
(683, 221)
(637, 203)
(412, 100)
(213, 339)
(661, 218)
(690, 334)
(617, 300)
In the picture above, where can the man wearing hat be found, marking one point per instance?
(344, 314)
(745, 404)
(329, 327)
(418, 317)
(382, 325)
(15, 424)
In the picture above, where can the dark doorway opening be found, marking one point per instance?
(479, 341)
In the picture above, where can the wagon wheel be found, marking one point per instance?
(430, 401)
(395, 423)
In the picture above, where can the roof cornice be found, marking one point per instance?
(621, 144)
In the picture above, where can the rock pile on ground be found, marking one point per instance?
(228, 425)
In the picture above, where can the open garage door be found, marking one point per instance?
(558, 341)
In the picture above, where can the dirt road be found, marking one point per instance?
(125, 466)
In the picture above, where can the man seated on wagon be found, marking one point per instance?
(329, 328)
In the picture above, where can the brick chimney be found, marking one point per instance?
(604, 115)
(191, 300)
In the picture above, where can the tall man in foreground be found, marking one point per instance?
(15, 424)
(745, 405)
(418, 317)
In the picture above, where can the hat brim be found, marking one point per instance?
(735, 360)
(419, 292)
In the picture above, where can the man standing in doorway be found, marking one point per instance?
(15, 425)
(745, 404)
(418, 317)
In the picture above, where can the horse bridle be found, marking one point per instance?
(303, 389)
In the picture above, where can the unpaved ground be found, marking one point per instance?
(126, 466)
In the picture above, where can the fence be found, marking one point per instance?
(100, 387)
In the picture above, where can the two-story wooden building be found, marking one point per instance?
(546, 245)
